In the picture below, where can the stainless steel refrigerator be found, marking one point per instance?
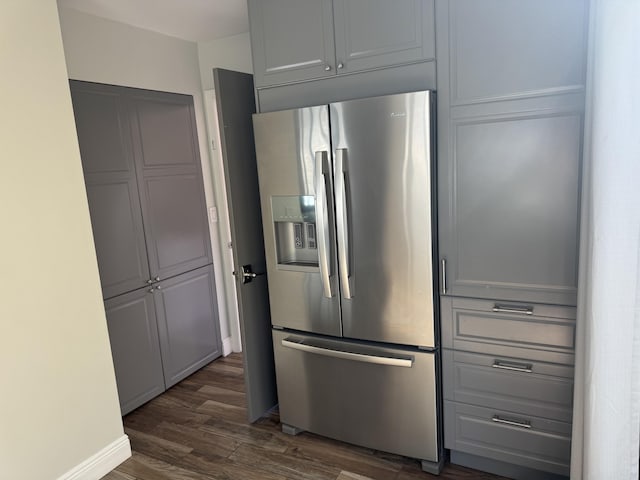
(348, 212)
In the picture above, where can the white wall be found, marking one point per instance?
(105, 51)
(232, 53)
(59, 404)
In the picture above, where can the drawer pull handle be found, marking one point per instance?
(513, 309)
(514, 423)
(516, 367)
(359, 357)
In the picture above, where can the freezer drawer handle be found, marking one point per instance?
(514, 423)
(512, 309)
(322, 219)
(358, 357)
(516, 367)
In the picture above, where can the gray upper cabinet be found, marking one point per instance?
(291, 40)
(116, 220)
(378, 33)
(297, 40)
(510, 122)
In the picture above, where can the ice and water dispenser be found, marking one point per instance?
(294, 219)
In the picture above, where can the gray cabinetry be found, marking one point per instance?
(510, 123)
(291, 40)
(144, 185)
(170, 182)
(133, 334)
(188, 337)
(112, 190)
(510, 134)
(295, 40)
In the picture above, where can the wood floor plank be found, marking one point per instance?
(224, 395)
(200, 441)
(351, 476)
(247, 434)
(223, 410)
(283, 464)
(144, 467)
(116, 475)
(198, 430)
(346, 457)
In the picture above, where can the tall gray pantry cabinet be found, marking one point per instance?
(143, 177)
(511, 78)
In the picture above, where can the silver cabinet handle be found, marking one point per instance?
(512, 309)
(514, 423)
(327, 68)
(444, 276)
(342, 223)
(151, 290)
(158, 287)
(340, 65)
(516, 367)
(322, 220)
(358, 357)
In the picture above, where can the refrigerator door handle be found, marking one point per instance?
(322, 220)
(342, 223)
(358, 357)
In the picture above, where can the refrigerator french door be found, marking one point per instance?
(347, 207)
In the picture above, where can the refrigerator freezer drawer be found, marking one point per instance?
(379, 398)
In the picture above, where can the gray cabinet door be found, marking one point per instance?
(291, 40)
(131, 319)
(187, 323)
(170, 182)
(378, 33)
(110, 178)
(510, 114)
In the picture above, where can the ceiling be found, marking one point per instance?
(194, 20)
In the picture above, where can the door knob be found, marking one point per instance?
(248, 274)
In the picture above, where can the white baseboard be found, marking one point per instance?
(226, 346)
(98, 465)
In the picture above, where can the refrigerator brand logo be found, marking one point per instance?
(398, 114)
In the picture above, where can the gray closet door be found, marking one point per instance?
(110, 178)
(131, 319)
(165, 145)
(307, 49)
(187, 323)
(377, 33)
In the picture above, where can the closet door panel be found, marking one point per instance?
(116, 222)
(133, 334)
(174, 209)
(105, 146)
(174, 214)
(187, 323)
(166, 129)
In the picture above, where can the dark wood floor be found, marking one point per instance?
(197, 430)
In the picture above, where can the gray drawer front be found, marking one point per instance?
(474, 326)
(545, 391)
(545, 446)
(538, 310)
